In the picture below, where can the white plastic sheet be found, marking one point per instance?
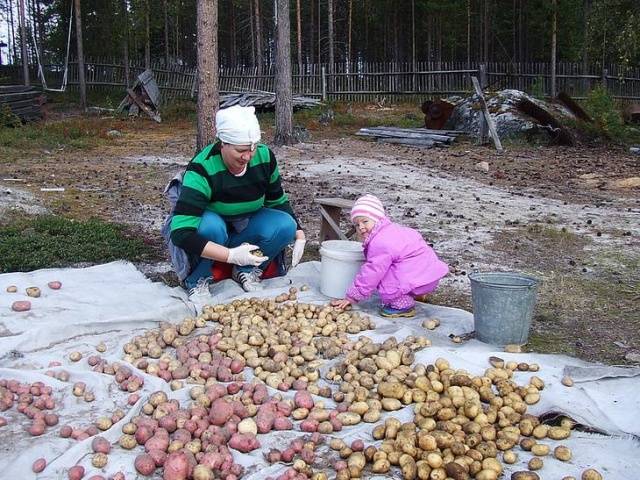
(114, 302)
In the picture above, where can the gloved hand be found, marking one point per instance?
(298, 250)
(241, 256)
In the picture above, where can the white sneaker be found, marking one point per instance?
(249, 281)
(200, 293)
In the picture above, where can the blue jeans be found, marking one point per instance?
(271, 230)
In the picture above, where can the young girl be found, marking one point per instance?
(398, 262)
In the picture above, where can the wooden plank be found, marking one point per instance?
(140, 103)
(335, 202)
(329, 228)
(487, 115)
(415, 142)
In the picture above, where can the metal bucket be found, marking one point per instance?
(503, 306)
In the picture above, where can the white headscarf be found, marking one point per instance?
(238, 125)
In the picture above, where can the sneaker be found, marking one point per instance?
(388, 311)
(249, 281)
(200, 293)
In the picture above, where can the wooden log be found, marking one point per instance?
(487, 116)
(392, 134)
(416, 142)
(420, 129)
(140, 103)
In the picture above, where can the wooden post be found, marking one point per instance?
(605, 74)
(23, 41)
(487, 116)
(324, 84)
(483, 133)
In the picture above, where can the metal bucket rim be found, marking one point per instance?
(531, 282)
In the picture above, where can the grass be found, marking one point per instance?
(33, 242)
(75, 133)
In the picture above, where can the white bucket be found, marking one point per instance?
(341, 261)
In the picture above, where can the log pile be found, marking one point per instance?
(417, 137)
(263, 100)
(25, 102)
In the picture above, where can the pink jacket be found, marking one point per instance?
(397, 261)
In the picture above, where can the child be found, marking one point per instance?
(398, 262)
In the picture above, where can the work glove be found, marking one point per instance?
(298, 250)
(242, 256)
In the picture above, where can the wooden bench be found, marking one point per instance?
(330, 210)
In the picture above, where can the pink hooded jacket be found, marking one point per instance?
(397, 261)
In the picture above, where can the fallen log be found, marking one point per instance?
(414, 142)
(364, 132)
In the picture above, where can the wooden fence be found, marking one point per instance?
(359, 81)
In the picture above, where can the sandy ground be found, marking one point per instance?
(559, 214)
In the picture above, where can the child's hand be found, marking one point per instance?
(341, 304)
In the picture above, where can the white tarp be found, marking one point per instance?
(113, 302)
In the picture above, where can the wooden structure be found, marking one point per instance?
(144, 95)
(417, 137)
(359, 81)
(330, 212)
(487, 116)
(263, 100)
(25, 102)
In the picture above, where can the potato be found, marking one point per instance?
(202, 472)
(12, 289)
(391, 390)
(127, 441)
(104, 423)
(381, 465)
(75, 356)
(33, 292)
(348, 418)
(99, 460)
(76, 472)
(145, 464)
(408, 467)
(54, 285)
(524, 475)
(248, 425)
(591, 474)
(513, 348)
(486, 475)
(391, 404)
(21, 306)
(100, 445)
(510, 457)
(535, 463)
(540, 450)
(567, 381)
(562, 453)
(39, 465)
(558, 433)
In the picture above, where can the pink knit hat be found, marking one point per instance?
(368, 206)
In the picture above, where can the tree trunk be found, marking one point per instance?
(23, 42)
(319, 32)
(125, 42)
(469, 34)
(147, 37)
(554, 41)
(252, 36)
(299, 31)
(233, 47)
(166, 33)
(486, 35)
(284, 96)
(330, 36)
(207, 15)
(312, 33)
(413, 41)
(81, 80)
(349, 32)
(13, 33)
(396, 46)
(258, 25)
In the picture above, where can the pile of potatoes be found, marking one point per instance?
(30, 399)
(283, 343)
(301, 453)
(462, 425)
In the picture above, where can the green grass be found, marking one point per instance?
(44, 241)
(71, 133)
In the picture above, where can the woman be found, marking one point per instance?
(232, 207)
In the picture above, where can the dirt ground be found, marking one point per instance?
(569, 216)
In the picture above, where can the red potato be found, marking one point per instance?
(159, 457)
(118, 476)
(288, 454)
(100, 445)
(282, 423)
(297, 445)
(233, 388)
(76, 472)
(157, 442)
(213, 460)
(55, 285)
(36, 429)
(51, 419)
(21, 306)
(308, 456)
(260, 394)
(244, 442)
(96, 477)
(303, 399)
(168, 422)
(224, 374)
(309, 425)
(336, 424)
(177, 466)
(3, 421)
(143, 434)
(273, 456)
(299, 385)
(236, 366)
(66, 431)
(181, 435)
(39, 465)
(133, 399)
(145, 464)
(357, 445)
(221, 411)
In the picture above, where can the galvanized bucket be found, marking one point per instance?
(503, 306)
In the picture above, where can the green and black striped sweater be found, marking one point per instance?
(208, 185)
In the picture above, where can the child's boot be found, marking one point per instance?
(391, 312)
